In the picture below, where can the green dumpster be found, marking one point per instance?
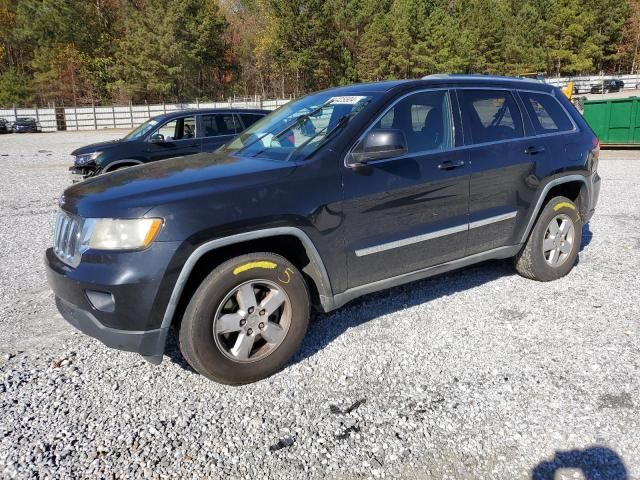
(615, 121)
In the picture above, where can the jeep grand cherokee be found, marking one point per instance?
(336, 195)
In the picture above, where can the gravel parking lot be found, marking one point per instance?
(475, 374)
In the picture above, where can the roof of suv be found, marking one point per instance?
(205, 111)
(460, 80)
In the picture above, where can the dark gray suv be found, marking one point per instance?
(174, 134)
(336, 195)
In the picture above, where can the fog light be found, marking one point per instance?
(102, 301)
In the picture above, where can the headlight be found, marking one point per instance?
(86, 158)
(115, 234)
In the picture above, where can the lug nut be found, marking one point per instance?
(242, 323)
(249, 332)
(262, 312)
(251, 309)
(261, 326)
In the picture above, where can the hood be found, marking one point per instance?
(132, 192)
(97, 147)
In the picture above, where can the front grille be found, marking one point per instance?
(66, 238)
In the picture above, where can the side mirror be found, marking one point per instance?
(380, 144)
(156, 138)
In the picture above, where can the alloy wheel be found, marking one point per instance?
(558, 240)
(252, 321)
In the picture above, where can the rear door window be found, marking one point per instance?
(228, 124)
(219, 124)
(249, 119)
(546, 113)
(491, 115)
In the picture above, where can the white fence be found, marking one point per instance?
(128, 116)
(584, 83)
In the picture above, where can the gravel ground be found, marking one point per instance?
(475, 374)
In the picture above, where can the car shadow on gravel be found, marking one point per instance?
(594, 463)
(587, 236)
(327, 327)
(172, 350)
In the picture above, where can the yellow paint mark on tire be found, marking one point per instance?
(288, 272)
(564, 204)
(252, 265)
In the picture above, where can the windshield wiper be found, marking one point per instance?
(301, 119)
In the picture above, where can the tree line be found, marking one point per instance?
(114, 51)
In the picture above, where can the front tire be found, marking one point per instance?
(246, 319)
(552, 247)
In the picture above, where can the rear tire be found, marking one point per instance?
(246, 319)
(552, 247)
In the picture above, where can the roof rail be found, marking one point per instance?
(475, 76)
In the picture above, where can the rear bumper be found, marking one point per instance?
(594, 196)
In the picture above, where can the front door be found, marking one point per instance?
(175, 138)
(407, 213)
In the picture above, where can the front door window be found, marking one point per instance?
(178, 129)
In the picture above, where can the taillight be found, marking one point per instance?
(596, 148)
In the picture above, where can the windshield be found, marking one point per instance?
(141, 131)
(299, 128)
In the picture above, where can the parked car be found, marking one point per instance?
(174, 134)
(4, 126)
(336, 195)
(607, 86)
(26, 125)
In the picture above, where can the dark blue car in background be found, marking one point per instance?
(174, 134)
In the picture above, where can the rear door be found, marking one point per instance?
(216, 129)
(553, 124)
(502, 153)
(407, 213)
(179, 139)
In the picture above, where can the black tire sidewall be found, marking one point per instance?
(197, 324)
(557, 205)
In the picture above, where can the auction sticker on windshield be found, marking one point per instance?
(349, 100)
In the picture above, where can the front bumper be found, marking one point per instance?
(81, 173)
(149, 343)
(137, 284)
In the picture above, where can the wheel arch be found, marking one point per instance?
(290, 242)
(574, 187)
(129, 162)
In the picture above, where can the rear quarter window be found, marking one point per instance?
(546, 113)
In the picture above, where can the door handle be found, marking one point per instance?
(450, 165)
(532, 150)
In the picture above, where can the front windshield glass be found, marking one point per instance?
(299, 128)
(141, 131)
